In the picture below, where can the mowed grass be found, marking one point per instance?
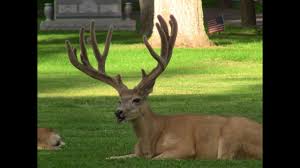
(224, 80)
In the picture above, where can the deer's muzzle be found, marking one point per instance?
(120, 115)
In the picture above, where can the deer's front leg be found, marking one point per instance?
(176, 154)
(136, 153)
(47, 147)
(143, 149)
(122, 157)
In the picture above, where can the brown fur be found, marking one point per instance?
(190, 136)
(48, 139)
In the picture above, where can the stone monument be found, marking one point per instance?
(73, 14)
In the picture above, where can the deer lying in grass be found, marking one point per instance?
(176, 136)
(48, 139)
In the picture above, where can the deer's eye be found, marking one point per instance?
(136, 100)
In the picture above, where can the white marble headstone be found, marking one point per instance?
(88, 9)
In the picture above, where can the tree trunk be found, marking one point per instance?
(189, 16)
(248, 15)
(225, 3)
(146, 18)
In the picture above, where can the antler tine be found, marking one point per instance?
(167, 45)
(164, 35)
(85, 66)
(94, 45)
(144, 74)
(164, 26)
(162, 29)
(72, 54)
(174, 30)
(153, 53)
(83, 52)
(74, 60)
(107, 43)
(164, 42)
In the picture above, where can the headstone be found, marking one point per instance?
(73, 14)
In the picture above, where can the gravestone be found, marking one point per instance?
(73, 14)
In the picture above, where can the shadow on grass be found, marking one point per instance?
(235, 35)
(229, 36)
(119, 37)
(226, 104)
(224, 39)
(81, 81)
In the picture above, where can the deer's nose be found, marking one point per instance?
(118, 113)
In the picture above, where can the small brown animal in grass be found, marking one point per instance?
(175, 136)
(48, 139)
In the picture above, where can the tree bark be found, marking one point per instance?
(189, 15)
(146, 17)
(248, 15)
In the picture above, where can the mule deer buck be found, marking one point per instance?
(48, 139)
(176, 136)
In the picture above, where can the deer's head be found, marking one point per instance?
(131, 100)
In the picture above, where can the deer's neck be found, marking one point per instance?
(146, 126)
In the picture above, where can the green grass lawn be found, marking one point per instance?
(224, 80)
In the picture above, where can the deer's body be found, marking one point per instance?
(176, 136)
(196, 136)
